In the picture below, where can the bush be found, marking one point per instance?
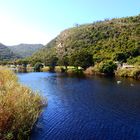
(19, 107)
(134, 61)
(107, 67)
(133, 73)
(136, 73)
(60, 69)
(45, 69)
(38, 66)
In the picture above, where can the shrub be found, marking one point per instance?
(19, 107)
(38, 66)
(136, 73)
(45, 69)
(133, 73)
(59, 69)
(107, 67)
(134, 61)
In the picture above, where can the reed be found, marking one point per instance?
(132, 73)
(19, 107)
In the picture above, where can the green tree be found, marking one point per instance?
(81, 58)
(51, 61)
(107, 67)
(64, 61)
(38, 66)
(120, 56)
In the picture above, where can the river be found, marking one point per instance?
(96, 108)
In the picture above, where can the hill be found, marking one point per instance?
(115, 39)
(25, 50)
(6, 53)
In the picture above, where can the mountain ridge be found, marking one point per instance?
(6, 53)
(24, 50)
(116, 39)
(21, 50)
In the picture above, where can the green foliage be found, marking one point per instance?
(45, 55)
(23, 62)
(107, 67)
(81, 58)
(64, 61)
(135, 60)
(53, 61)
(120, 56)
(38, 67)
(116, 39)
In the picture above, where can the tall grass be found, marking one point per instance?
(132, 73)
(19, 107)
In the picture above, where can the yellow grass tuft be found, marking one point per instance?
(19, 107)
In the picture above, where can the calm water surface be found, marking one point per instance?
(86, 108)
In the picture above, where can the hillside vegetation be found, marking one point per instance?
(115, 40)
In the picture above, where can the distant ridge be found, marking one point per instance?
(18, 51)
(6, 53)
(25, 50)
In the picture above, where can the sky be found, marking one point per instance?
(39, 21)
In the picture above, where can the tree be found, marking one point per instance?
(38, 66)
(64, 61)
(51, 61)
(120, 56)
(107, 67)
(81, 58)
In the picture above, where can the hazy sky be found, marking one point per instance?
(39, 21)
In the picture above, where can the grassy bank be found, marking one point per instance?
(104, 69)
(19, 107)
(132, 73)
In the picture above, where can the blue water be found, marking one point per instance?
(96, 108)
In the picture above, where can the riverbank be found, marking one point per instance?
(91, 71)
(131, 73)
(19, 107)
(104, 69)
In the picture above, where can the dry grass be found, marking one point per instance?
(19, 107)
(132, 73)
(45, 69)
